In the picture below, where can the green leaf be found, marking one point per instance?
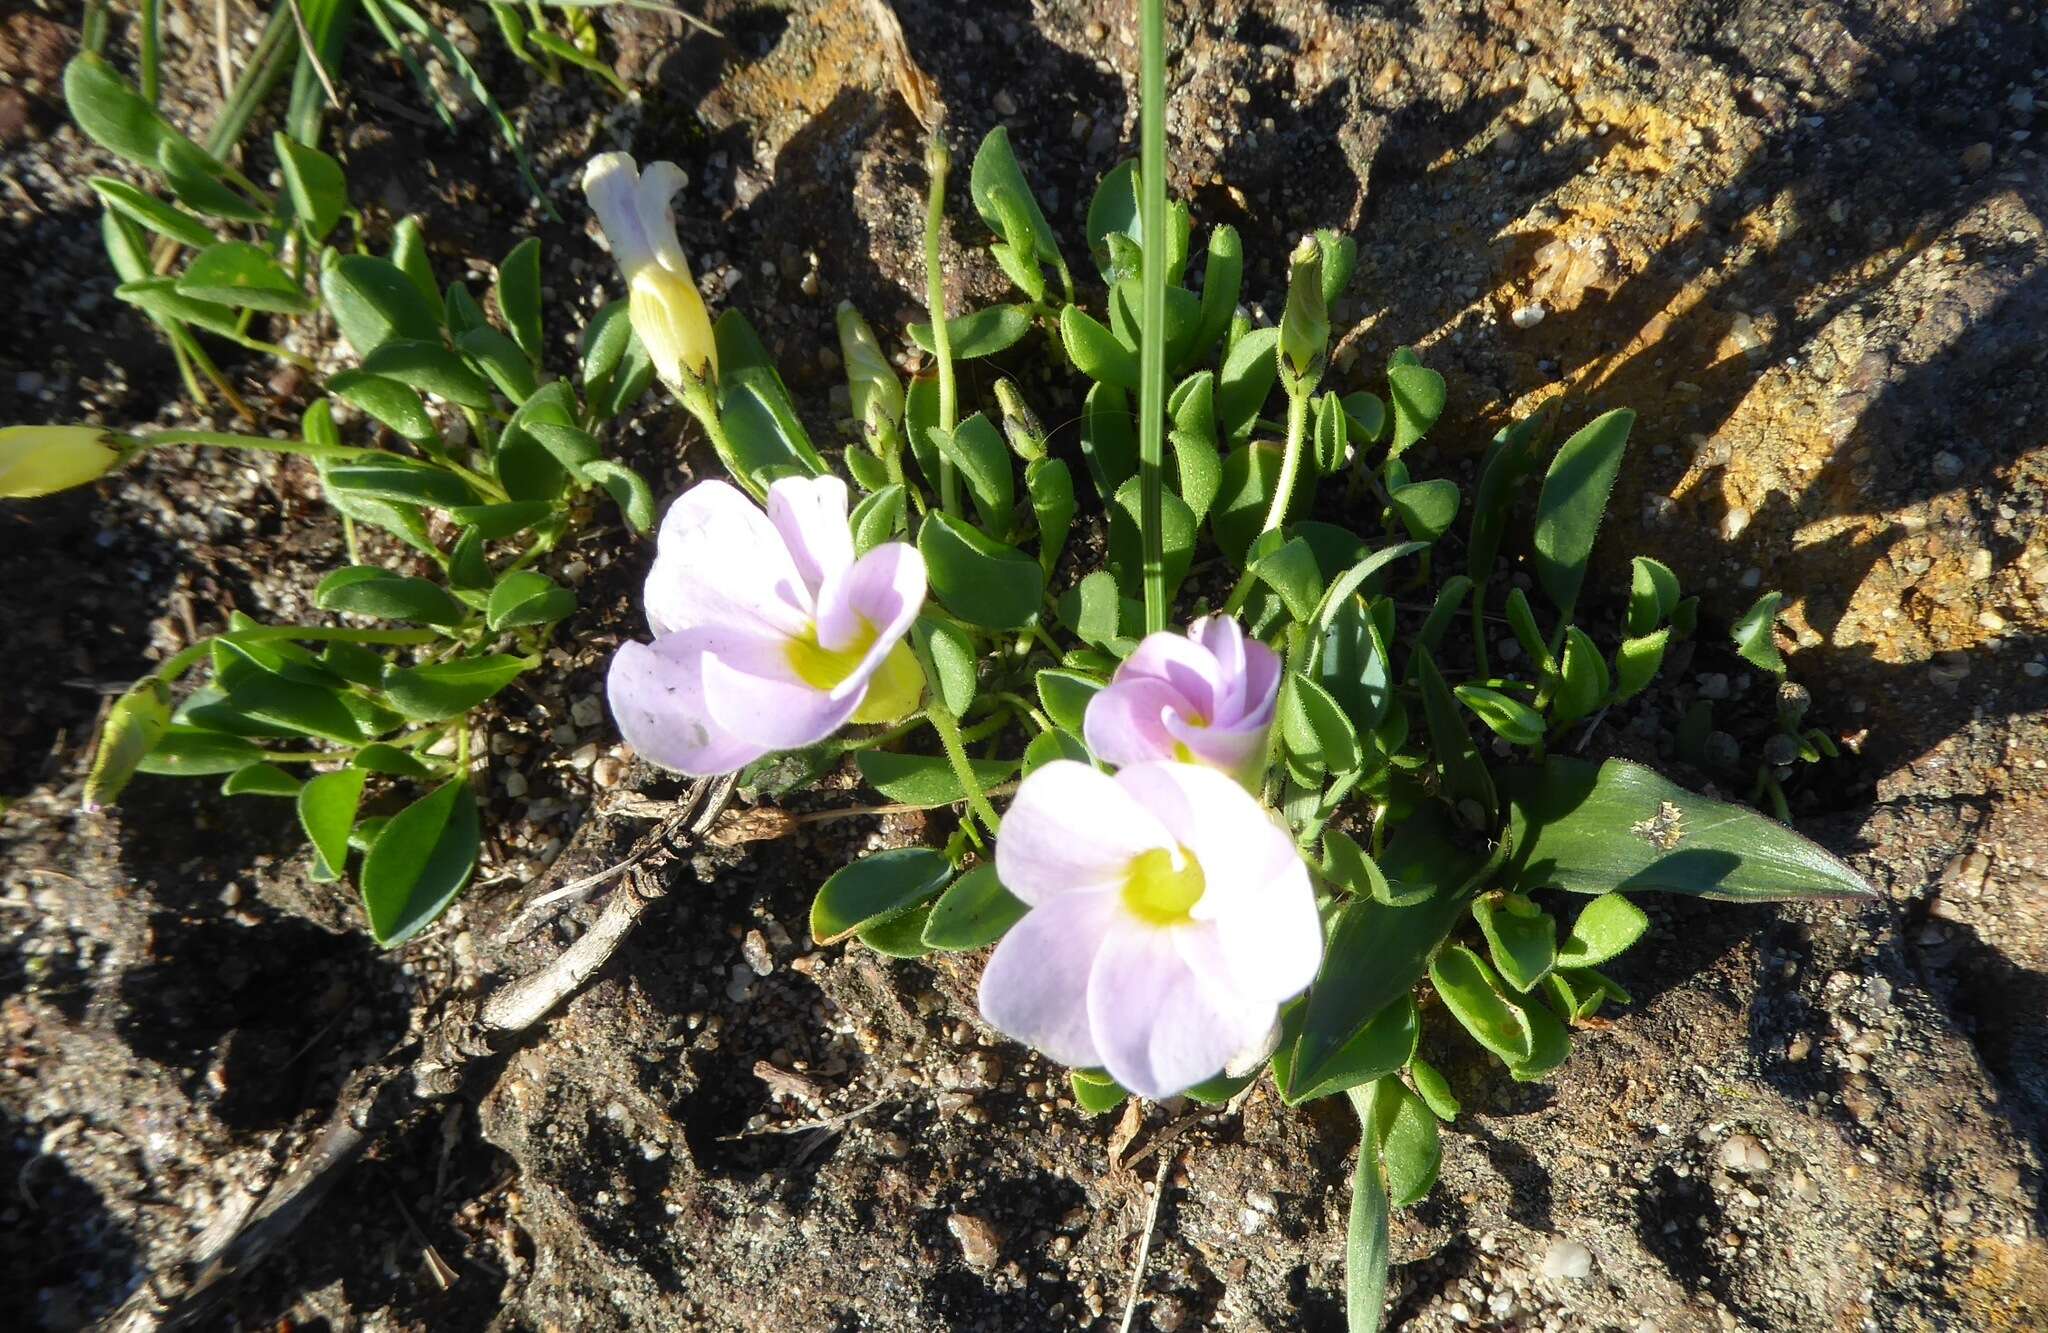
(390, 761)
(1652, 594)
(1583, 686)
(501, 361)
(1362, 577)
(1109, 439)
(373, 302)
(1619, 825)
(314, 183)
(160, 299)
(260, 779)
(1407, 1136)
(1330, 436)
(409, 255)
(527, 597)
(396, 405)
(431, 368)
(1382, 1047)
(1048, 746)
(1434, 1090)
(1095, 351)
(1522, 619)
(879, 518)
(188, 752)
(1291, 571)
(996, 171)
(927, 781)
(1521, 936)
(978, 579)
(981, 333)
(461, 314)
(327, 809)
(1508, 718)
(876, 888)
(1346, 864)
(1508, 462)
(1606, 928)
(953, 658)
(1367, 1251)
(1471, 991)
(519, 296)
(1426, 508)
(1315, 729)
(974, 912)
(628, 489)
(368, 591)
(1376, 952)
(1365, 418)
(1113, 211)
(604, 342)
(1200, 471)
(162, 218)
(1549, 1046)
(1051, 487)
(900, 936)
(1418, 398)
(420, 862)
(1636, 663)
(1753, 637)
(443, 690)
(1097, 1095)
(1574, 498)
(1177, 540)
(1464, 773)
(531, 455)
(1065, 695)
(112, 114)
(976, 448)
(236, 273)
(1246, 381)
(195, 178)
(400, 480)
(1093, 609)
(494, 522)
(1352, 665)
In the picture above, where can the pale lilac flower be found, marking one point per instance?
(1170, 918)
(663, 303)
(1205, 698)
(769, 634)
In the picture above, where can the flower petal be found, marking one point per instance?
(1035, 987)
(1223, 639)
(751, 690)
(1261, 698)
(1160, 1026)
(1126, 720)
(1187, 666)
(658, 187)
(884, 589)
(612, 185)
(656, 694)
(719, 561)
(810, 513)
(1069, 829)
(1238, 751)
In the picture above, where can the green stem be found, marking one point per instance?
(948, 727)
(697, 396)
(150, 42)
(254, 443)
(938, 161)
(1290, 462)
(1152, 311)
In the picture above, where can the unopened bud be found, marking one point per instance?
(37, 460)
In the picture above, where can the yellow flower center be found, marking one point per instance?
(1161, 888)
(824, 668)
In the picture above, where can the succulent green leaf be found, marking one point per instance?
(927, 781)
(1753, 636)
(1574, 498)
(974, 912)
(1606, 927)
(977, 578)
(420, 861)
(876, 888)
(1473, 993)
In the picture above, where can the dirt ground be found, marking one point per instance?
(1805, 241)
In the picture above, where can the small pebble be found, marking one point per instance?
(1567, 1260)
(979, 1241)
(1743, 1154)
(587, 711)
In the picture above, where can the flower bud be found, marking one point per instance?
(1305, 325)
(36, 460)
(873, 388)
(135, 723)
(673, 324)
(664, 304)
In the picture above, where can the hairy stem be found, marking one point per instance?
(1290, 462)
(938, 160)
(1152, 311)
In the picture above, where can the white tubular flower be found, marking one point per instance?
(667, 311)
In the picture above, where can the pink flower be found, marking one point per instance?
(769, 635)
(1170, 919)
(1206, 698)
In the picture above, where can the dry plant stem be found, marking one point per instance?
(393, 1094)
(1166, 1161)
